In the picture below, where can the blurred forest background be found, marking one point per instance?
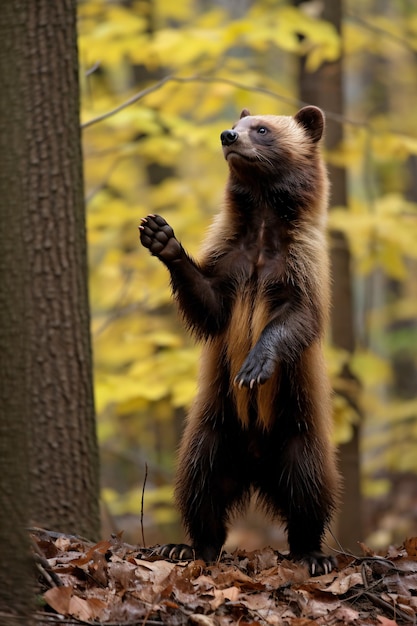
(160, 80)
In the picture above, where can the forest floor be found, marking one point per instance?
(114, 583)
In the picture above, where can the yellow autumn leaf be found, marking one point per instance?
(123, 351)
(376, 488)
(121, 21)
(391, 204)
(109, 495)
(409, 144)
(111, 213)
(106, 390)
(159, 376)
(164, 150)
(387, 146)
(135, 119)
(400, 309)
(336, 359)
(321, 40)
(344, 418)
(157, 500)
(159, 495)
(261, 38)
(350, 152)
(355, 38)
(369, 368)
(151, 388)
(132, 405)
(322, 53)
(165, 514)
(184, 391)
(110, 39)
(107, 429)
(397, 412)
(359, 227)
(168, 10)
(178, 48)
(390, 259)
(237, 30)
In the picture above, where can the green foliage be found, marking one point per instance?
(161, 155)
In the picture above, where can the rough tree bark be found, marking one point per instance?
(47, 424)
(63, 446)
(324, 88)
(15, 595)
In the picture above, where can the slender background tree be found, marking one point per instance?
(325, 88)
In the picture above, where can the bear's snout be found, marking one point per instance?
(228, 137)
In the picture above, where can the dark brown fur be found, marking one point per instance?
(259, 300)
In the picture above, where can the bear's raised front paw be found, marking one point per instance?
(157, 235)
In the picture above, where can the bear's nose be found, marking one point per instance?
(228, 137)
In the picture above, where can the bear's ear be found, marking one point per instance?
(312, 118)
(244, 113)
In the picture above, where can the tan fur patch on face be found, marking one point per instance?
(288, 133)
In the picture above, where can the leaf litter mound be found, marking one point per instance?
(114, 583)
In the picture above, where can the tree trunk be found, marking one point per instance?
(63, 446)
(15, 595)
(324, 88)
(47, 428)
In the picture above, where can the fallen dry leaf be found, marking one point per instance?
(221, 595)
(111, 582)
(202, 620)
(365, 550)
(343, 583)
(58, 599)
(64, 602)
(384, 621)
(85, 609)
(410, 546)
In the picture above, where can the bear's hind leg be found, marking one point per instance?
(209, 484)
(304, 495)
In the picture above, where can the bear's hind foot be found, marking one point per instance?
(184, 552)
(176, 551)
(317, 562)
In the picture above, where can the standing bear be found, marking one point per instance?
(258, 299)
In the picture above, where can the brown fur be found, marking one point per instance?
(259, 299)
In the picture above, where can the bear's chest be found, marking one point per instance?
(261, 253)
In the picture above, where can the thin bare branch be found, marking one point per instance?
(341, 119)
(129, 102)
(142, 504)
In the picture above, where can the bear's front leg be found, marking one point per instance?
(157, 235)
(257, 368)
(202, 300)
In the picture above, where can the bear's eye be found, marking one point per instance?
(262, 130)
